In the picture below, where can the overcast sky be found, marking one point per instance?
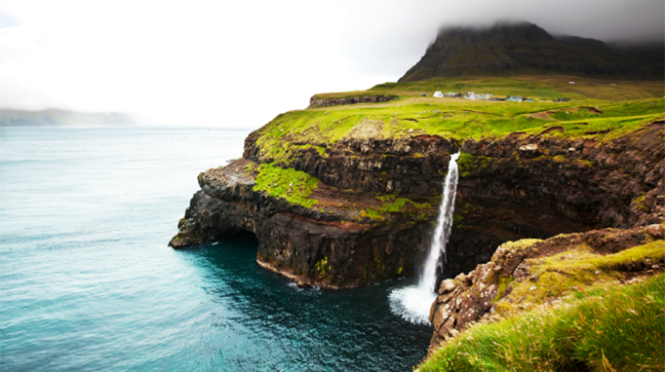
(240, 63)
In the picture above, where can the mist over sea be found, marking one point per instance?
(87, 282)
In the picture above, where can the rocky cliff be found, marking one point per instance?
(341, 195)
(332, 243)
(524, 48)
(360, 210)
(317, 101)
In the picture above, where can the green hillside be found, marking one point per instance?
(598, 108)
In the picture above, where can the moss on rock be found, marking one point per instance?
(289, 184)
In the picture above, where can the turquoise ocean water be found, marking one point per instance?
(87, 282)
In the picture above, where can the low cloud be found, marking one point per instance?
(390, 38)
(239, 64)
(8, 20)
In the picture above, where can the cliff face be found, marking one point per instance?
(517, 187)
(316, 101)
(508, 49)
(331, 246)
(413, 165)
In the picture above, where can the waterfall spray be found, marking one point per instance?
(413, 303)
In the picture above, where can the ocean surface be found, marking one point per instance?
(88, 283)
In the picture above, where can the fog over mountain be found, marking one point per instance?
(521, 48)
(205, 63)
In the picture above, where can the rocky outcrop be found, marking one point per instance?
(528, 273)
(311, 246)
(316, 101)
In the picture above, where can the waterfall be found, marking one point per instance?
(413, 303)
(443, 227)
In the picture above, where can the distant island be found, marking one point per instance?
(58, 117)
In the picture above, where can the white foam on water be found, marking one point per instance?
(295, 286)
(412, 303)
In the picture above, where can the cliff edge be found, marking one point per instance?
(345, 196)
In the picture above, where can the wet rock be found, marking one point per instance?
(446, 286)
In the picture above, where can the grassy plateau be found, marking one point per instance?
(599, 108)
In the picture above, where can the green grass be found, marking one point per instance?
(315, 132)
(499, 87)
(391, 204)
(580, 267)
(394, 205)
(467, 163)
(296, 187)
(322, 264)
(535, 86)
(608, 329)
(624, 106)
(289, 184)
(530, 335)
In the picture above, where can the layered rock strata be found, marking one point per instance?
(331, 246)
(316, 101)
(517, 187)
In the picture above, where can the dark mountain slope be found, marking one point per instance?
(524, 48)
